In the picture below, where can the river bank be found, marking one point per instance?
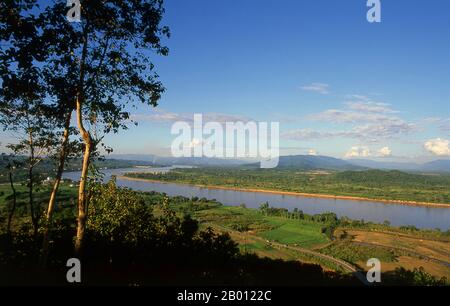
(309, 195)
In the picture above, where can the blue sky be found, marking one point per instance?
(338, 85)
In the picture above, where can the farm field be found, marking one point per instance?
(263, 235)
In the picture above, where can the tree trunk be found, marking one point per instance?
(61, 162)
(13, 208)
(82, 203)
(51, 203)
(30, 185)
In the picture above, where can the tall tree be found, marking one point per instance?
(11, 165)
(35, 139)
(22, 107)
(111, 47)
(59, 75)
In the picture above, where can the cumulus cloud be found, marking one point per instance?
(438, 146)
(316, 87)
(358, 151)
(384, 152)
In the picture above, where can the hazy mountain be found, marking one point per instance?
(304, 162)
(310, 162)
(140, 157)
(440, 165)
(191, 161)
(435, 166)
(384, 165)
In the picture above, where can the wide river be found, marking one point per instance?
(396, 214)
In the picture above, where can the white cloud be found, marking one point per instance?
(445, 125)
(316, 87)
(163, 116)
(370, 121)
(375, 132)
(305, 134)
(359, 97)
(312, 152)
(370, 107)
(438, 146)
(157, 116)
(372, 132)
(384, 152)
(358, 151)
(351, 116)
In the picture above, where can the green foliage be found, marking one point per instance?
(118, 213)
(416, 277)
(303, 233)
(354, 253)
(271, 227)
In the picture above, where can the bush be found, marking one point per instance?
(416, 277)
(119, 214)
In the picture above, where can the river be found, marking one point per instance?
(396, 214)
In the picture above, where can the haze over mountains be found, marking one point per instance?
(440, 165)
(304, 162)
(182, 161)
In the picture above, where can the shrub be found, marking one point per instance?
(119, 214)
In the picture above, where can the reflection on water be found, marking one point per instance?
(419, 216)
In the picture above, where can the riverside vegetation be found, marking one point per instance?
(371, 184)
(149, 238)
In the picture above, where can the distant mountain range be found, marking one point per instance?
(311, 162)
(440, 165)
(182, 161)
(304, 162)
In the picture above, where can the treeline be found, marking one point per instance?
(379, 178)
(46, 168)
(331, 221)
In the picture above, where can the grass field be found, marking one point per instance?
(66, 201)
(302, 233)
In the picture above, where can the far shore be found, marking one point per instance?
(309, 195)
